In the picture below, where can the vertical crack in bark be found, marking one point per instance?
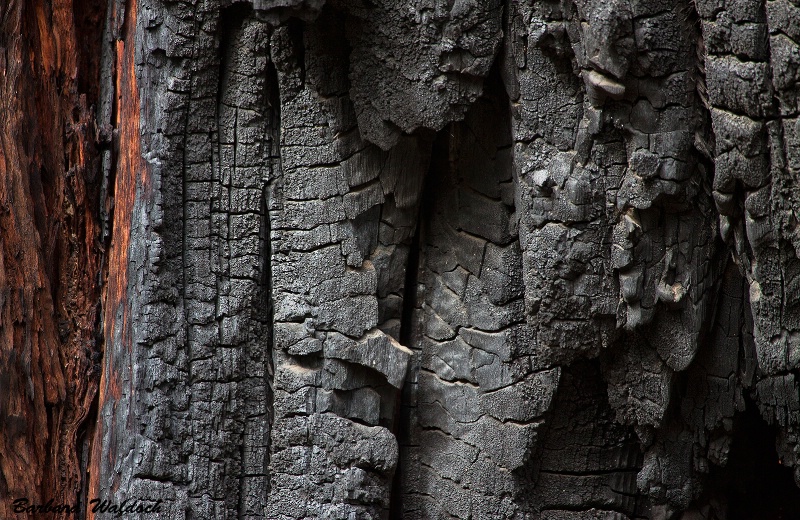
(267, 282)
(407, 325)
(408, 336)
(342, 227)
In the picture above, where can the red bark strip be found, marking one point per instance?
(49, 253)
(130, 170)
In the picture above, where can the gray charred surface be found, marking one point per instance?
(359, 259)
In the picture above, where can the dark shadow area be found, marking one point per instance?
(755, 483)
(581, 443)
(403, 407)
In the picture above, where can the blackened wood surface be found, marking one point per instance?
(345, 259)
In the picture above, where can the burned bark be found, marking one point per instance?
(304, 259)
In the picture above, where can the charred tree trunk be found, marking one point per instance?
(297, 259)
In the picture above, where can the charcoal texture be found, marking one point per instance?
(495, 259)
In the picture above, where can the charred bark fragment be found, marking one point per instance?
(345, 259)
(186, 393)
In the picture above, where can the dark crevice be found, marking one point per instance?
(273, 98)
(402, 421)
(410, 287)
(295, 27)
(89, 14)
(108, 141)
(754, 484)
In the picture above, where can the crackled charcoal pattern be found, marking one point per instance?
(425, 259)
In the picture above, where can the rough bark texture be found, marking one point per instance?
(51, 246)
(378, 259)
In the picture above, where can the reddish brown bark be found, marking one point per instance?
(50, 254)
(130, 170)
